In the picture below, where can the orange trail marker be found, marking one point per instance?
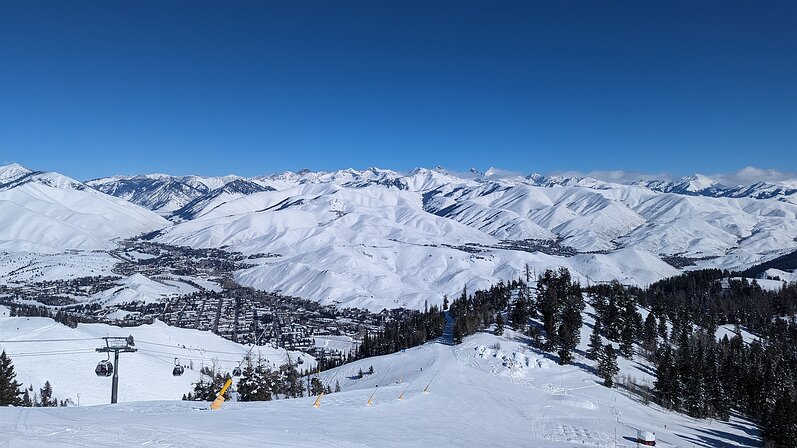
(426, 389)
(216, 405)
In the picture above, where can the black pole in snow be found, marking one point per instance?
(115, 385)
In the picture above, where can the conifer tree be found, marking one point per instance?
(548, 304)
(292, 386)
(316, 386)
(595, 346)
(499, 325)
(520, 312)
(46, 398)
(666, 386)
(627, 341)
(566, 344)
(570, 328)
(10, 395)
(649, 338)
(718, 401)
(209, 384)
(256, 382)
(607, 367)
(780, 429)
(662, 328)
(560, 302)
(26, 400)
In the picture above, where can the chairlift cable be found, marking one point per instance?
(10, 341)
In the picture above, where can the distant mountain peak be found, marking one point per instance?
(12, 171)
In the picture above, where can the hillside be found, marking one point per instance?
(66, 357)
(479, 396)
(356, 238)
(50, 213)
(383, 239)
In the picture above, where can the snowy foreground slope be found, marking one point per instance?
(479, 396)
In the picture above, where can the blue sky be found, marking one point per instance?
(99, 88)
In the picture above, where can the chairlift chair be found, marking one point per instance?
(178, 369)
(236, 371)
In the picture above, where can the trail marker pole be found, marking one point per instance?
(426, 389)
(216, 405)
(371, 398)
(317, 403)
(401, 396)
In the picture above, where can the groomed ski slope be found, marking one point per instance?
(477, 399)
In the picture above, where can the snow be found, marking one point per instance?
(380, 239)
(765, 284)
(474, 399)
(144, 375)
(11, 172)
(730, 331)
(343, 344)
(52, 213)
(28, 267)
(788, 277)
(355, 239)
(139, 288)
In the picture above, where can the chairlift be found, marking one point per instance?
(104, 368)
(178, 369)
(236, 371)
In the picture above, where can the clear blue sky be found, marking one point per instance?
(213, 87)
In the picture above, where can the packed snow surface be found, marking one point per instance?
(488, 391)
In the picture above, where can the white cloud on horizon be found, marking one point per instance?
(615, 176)
(750, 175)
(745, 176)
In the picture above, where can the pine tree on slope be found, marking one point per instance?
(607, 367)
(595, 346)
(10, 395)
(499, 325)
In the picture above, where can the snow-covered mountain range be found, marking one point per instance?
(379, 238)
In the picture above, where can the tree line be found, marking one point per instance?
(12, 392)
(703, 376)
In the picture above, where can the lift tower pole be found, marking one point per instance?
(117, 345)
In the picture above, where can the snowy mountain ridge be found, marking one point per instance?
(379, 238)
(421, 179)
(49, 212)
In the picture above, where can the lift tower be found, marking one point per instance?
(117, 345)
